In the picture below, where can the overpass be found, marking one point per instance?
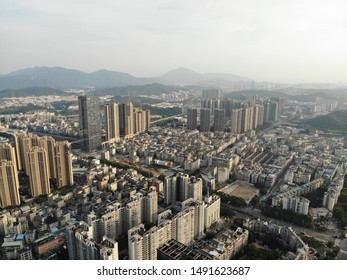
(167, 118)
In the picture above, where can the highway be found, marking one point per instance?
(167, 118)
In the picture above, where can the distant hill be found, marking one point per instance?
(184, 76)
(259, 93)
(32, 91)
(312, 97)
(336, 121)
(62, 78)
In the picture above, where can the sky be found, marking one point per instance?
(269, 40)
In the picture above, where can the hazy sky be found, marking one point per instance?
(272, 40)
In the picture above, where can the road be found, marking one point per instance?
(165, 119)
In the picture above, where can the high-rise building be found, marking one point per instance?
(16, 140)
(112, 122)
(281, 104)
(192, 119)
(135, 242)
(148, 119)
(112, 222)
(38, 171)
(205, 120)
(8, 152)
(170, 192)
(185, 225)
(198, 206)
(150, 206)
(141, 121)
(207, 104)
(89, 110)
(82, 246)
(180, 187)
(108, 249)
(63, 160)
(212, 209)
(133, 212)
(9, 184)
(236, 120)
(219, 119)
(22, 147)
(126, 119)
(245, 119)
(212, 93)
(273, 114)
(266, 111)
(195, 188)
(48, 143)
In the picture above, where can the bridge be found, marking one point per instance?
(167, 118)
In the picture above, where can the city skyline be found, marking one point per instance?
(279, 42)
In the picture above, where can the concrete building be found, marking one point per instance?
(236, 120)
(213, 93)
(126, 119)
(38, 172)
(7, 152)
(298, 205)
(63, 160)
(133, 212)
(219, 119)
(89, 122)
(112, 122)
(205, 120)
(212, 209)
(141, 121)
(150, 205)
(108, 249)
(135, 242)
(48, 143)
(185, 226)
(9, 184)
(195, 188)
(176, 188)
(192, 119)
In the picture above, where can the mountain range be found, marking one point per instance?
(63, 78)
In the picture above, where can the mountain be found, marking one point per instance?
(62, 78)
(336, 121)
(181, 76)
(184, 76)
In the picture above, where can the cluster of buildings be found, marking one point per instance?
(318, 162)
(191, 150)
(41, 101)
(185, 222)
(299, 249)
(42, 159)
(42, 122)
(121, 120)
(244, 115)
(111, 204)
(113, 213)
